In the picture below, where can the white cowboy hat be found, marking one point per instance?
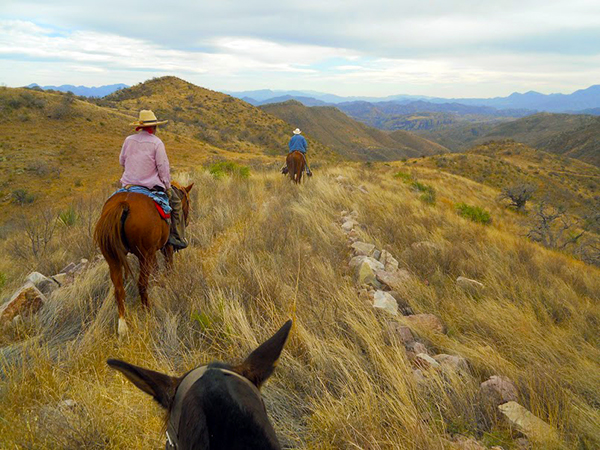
(297, 131)
(147, 119)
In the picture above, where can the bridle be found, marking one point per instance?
(181, 392)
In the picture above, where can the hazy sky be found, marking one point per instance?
(447, 48)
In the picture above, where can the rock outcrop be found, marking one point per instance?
(26, 301)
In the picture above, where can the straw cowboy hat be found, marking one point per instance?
(297, 131)
(147, 119)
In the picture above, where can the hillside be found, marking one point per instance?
(499, 164)
(213, 117)
(56, 147)
(350, 138)
(576, 136)
(262, 250)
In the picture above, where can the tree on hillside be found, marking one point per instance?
(553, 228)
(518, 194)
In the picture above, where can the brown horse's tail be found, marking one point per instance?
(291, 164)
(108, 234)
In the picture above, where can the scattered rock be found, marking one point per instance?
(376, 254)
(341, 178)
(393, 280)
(44, 284)
(400, 333)
(81, 266)
(68, 268)
(469, 285)
(27, 300)
(385, 301)
(452, 362)
(419, 377)
(366, 275)
(61, 278)
(403, 307)
(425, 361)
(356, 261)
(390, 263)
(497, 390)
(363, 189)
(349, 225)
(363, 248)
(353, 235)
(429, 322)
(530, 425)
(418, 347)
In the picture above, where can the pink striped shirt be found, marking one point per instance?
(145, 161)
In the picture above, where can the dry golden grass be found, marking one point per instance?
(263, 250)
(57, 147)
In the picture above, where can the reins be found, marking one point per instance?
(182, 390)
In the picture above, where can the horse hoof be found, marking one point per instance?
(122, 328)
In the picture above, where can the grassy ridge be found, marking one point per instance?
(261, 246)
(350, 138)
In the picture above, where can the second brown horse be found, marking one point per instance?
(296, 164)
(130, 223)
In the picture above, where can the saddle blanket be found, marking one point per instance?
(160, 198)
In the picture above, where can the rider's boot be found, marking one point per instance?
(177, 231)
(308, 172)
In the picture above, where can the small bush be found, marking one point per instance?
(68, 217)
(406, 177)
(2, 280)
(421, 187)
(22, 197)
(473, 213)
(428, 197)
(222, 168)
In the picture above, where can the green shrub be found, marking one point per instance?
(473, 213)
(22, 197)
(222, 168)
(428, 197)
(406, 177)
(68, 217)
(421, 187)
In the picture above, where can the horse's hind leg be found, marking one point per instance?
(116, 275)
(147, 268)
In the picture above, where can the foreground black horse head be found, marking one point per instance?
(217, 406)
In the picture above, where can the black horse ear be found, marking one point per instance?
(189, 187)
(161, 387)
(259, 365)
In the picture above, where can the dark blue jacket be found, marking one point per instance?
(297, 142)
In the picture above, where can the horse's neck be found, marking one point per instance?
(217, 421)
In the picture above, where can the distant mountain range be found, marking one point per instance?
(83, 91)
(581, 101)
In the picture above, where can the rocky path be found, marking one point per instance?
(379, 277)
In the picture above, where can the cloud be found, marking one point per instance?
(350, 44)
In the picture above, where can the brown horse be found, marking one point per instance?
(130, 223)
(217, 406)
(296, 163)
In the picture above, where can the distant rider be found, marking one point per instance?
(145, 163)
(298, 143)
